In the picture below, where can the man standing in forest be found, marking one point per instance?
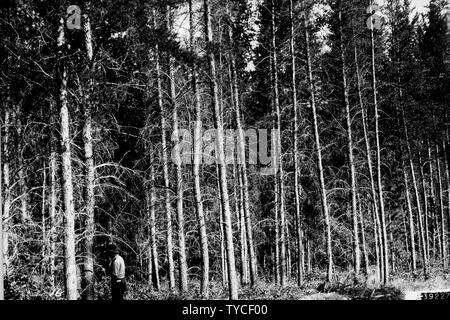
(117, 271)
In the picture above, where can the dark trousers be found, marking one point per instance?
(118, 289)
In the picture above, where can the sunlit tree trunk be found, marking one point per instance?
(411, 223)
(220, 154)
(242, 159)
(385, 250)
(297, 187)
(89, 196)
(151, 209)
(52, 234)
(66, 172)
(7, 187)
(323, 191)
(351, 160)
(2, 286)
(165, 165)
(441, 208)
(196, 166)
(179, 171)
(279, 154)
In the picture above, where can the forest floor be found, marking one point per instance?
(33, 288)
(312, 290)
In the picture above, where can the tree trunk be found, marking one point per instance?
(232, 280)
(297, 186)
(411, 223)
(196, 166)
(2, 286)
(66, 173)
(7, 189)
(53, 193)
(279, 154)
(363, 239)
(168, 209)
(441, 209)
(378, 163)
(425, 208)
(179, 171)
(89, 196)
(151, 207)
(416, 193)
(351, 160)
(323, 191)
(242, 159)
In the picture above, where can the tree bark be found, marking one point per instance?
(89, 196)
(351, 160)
(168, 209)
(323, 191)
(226, 212)
(7, 188)
(411, 223)
(66, 172)
(385, 250)
(297, 186)
(279, 154)
(196, 166)
(2, 285)
(242, 158)
(179, 171)
(441, 208)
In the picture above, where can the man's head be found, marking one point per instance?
(112, 250)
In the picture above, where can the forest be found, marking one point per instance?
(274, 149)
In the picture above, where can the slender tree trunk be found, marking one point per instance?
(425, 208)
(179, 171)
(43, 224)
(2, 285)
(441, 208)
(7, 188)
(168, 209)
(151, 207)
(277, 234)
(53, 194)
(24, 216)
(196, 166)
(66, 172)
(405, 231)
(323, 191)
(416, 193)
(297, 186)
(279, 154)
(363, 239)
(242, 159)
(376, 232)
(411, 223)
(447, 176)
(89, 196)
(378, 163)
(232, 279)
(351, 160)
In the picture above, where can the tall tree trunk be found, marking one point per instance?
(351, 160)
(416, 192)
(66, 172)
(24, 216)
(441, 208)
(279, 154)
(378, 162)
(179, 171)
(7, 188)
(297, 186)
(53, 193)
(232, 279)
(323, 191)
(151, 207)
(89, 196)
(363, 239)
(368, 157)
(411, 223)
(43, 224)
(168, 209)
(242, 158)
(2, 285)
(425, 208)
(196, 166)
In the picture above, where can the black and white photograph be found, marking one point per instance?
(224, 150)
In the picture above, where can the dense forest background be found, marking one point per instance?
(95, 95)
